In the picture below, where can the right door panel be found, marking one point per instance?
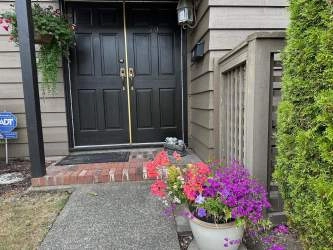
(154, 53)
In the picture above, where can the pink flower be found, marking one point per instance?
(5, 27)
(152, 169)
(158, 188)
(203, 168)
(176, 156)
(196, 176)
(190, 192)
(162, 159)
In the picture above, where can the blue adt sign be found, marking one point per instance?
(8, 123)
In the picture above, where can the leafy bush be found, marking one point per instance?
(47, 23)
(305, 123)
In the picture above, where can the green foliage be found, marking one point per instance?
(304, 169)
(48, 59)
(219, 212)
(175, 183)
(47, 22)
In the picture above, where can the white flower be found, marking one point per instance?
(176, 200)
(180, 178)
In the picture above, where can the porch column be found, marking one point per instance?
(30, 87)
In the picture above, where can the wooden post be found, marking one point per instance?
(258, 103)
(30, 87)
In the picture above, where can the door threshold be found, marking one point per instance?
(117, 146)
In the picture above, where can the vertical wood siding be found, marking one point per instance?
(234, 88)
(12, 99)
(222, 25)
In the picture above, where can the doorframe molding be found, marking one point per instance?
(68, 98)
(67, 90)
(184, 77)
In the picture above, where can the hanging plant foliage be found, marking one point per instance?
(54, 34)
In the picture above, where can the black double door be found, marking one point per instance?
(115, 101)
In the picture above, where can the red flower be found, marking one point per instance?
(158, 188)
(196, 176)
(7, 20)
(152, 169)
(1, 19)
(162, 159)
(190, 192)
(203, 168)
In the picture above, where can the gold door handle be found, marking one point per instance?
(123, 77)
(131, 76)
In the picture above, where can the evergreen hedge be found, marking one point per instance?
(304, 169)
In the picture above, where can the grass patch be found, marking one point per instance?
(26, 219)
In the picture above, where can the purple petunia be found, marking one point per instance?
(202, 212)
(237, 190)
(200, 199)
(277, 247)
(281, 229)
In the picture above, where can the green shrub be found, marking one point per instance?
(304, 169)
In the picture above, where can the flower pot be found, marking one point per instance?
(210, 236)
(42, 39)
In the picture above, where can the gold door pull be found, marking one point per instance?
(123, 77)
(131, 76)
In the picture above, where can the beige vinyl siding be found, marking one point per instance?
(12, 99)
(257, 3)
(222, 25)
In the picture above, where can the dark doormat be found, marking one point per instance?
(94, 158)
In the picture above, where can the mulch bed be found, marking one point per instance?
(22, 166)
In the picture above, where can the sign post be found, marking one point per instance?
(8, 122)
(6, 149)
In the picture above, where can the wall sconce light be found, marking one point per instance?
(185, 11)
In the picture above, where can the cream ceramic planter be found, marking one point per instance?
(211, 236)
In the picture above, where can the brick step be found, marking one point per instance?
(92, 173)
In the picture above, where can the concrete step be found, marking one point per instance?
(277, 217)
(276, 201)
(273, 186)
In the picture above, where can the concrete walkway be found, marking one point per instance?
(112, 216)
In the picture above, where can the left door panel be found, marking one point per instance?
(98, 97)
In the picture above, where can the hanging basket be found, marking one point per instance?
(42, 38)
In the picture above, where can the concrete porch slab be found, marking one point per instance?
(117, 216)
